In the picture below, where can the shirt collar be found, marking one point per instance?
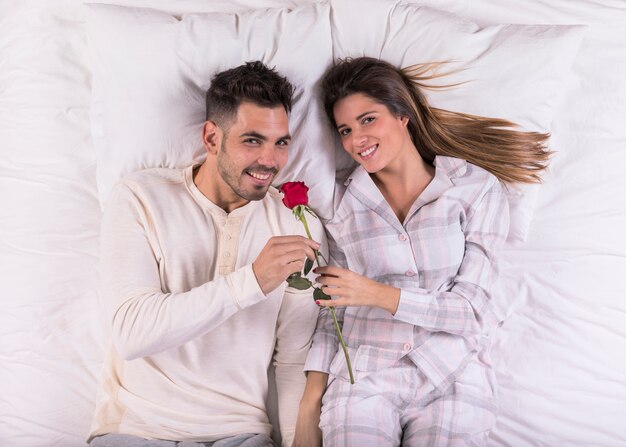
(451, 166)
(361, 185)
(207, 204)
(445, 167)
(446, 170)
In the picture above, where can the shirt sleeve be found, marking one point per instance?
(145, 320)
(466, 308)
(325, 340)
(296, 324)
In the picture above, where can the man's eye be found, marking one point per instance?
(283, 143)
(251, 141)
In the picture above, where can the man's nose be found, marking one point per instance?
(268, 157)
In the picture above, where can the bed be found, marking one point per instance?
(89, 92)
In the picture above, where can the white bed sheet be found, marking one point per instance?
(50, 328)
(560, 357)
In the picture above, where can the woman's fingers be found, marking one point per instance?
(329, 280)
(329, 270)
(335, 302)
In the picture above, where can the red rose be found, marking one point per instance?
(295, 194)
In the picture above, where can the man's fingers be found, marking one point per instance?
(298, 254)
(281, 240)
(294, 267)
(291, 252)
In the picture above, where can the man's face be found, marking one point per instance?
(254, 150)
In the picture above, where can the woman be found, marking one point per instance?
(414, 241)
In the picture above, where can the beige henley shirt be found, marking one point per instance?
(192, 333)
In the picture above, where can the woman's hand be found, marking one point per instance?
(351, 289)
(308, 433)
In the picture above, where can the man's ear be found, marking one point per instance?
(211, 137)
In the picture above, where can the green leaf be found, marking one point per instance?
(298, 282)
(308, 265)
(319, 295)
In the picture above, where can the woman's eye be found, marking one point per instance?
(368, 119)
(344, 132)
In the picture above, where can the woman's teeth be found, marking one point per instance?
(369, 151)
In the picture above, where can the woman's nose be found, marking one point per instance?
(358, 138)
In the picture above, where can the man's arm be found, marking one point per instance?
(146, 320)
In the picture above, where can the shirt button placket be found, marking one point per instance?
(228, 245)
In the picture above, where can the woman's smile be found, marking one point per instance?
(369, 152)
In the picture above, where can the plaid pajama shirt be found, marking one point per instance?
(442, 259)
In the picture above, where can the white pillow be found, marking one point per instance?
(196, 6)
(516, 72)
(151, 71)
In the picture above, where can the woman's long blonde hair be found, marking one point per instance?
(511, 155)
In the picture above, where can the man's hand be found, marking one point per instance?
(282, 256)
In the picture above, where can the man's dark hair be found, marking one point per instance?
(252, 82)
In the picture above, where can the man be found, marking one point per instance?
(194, 263)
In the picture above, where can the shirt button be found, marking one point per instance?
(227, 236)
(407, 346)
(226, 255)
(402, 237)
(410, 273)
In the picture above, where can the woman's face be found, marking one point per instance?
(370, 133)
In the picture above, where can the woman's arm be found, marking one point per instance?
(308, 433)
(461, 310)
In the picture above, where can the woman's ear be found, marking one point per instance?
(211, 137)
(404, 120)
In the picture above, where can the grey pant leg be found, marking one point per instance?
(243, 440)
(246, 440)
(117, 440)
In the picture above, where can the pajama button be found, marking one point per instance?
(410, 273)
(402, 237)
(407, 346)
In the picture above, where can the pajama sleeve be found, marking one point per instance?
(325, 340)
(465, 309)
